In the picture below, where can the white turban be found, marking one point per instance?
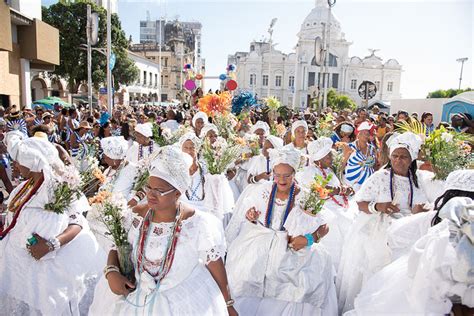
(285, 155)
(114, 147)
(409, 141)
(172, 165)
(12, 139)
(145, 129)
(346, 128)
(364, 126)
(199, 115)
(261, 125)
(192, 137)
(276, 142)
(462, 180)
(31, 158)
(297, 124)
(318, 149)
(46, 149)
(208, 127)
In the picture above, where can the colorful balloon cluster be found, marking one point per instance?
(191, 77)
(231, 83)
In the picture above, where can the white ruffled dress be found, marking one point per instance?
(188, 288)
(267, 278)
(367, 249)
(56, 283)
(436, 273)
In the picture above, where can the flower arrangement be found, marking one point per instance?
(142, 178)
(213, 104)
(66, 187)
(220, 155)
(273, 103)
(448, 151)
(338, 160)
(164, 136)
(243, 102)
(323, 126)
(317, 196)
(225, 123)
(252, 144)
(92, 177)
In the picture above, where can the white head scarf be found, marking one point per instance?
(31, 158)
(276, 142)
(261, 125)
(364, 126)
(114, 147)
(409, 141)
(192, 137)
(172, 165)
(47, 149)
(462, 180)
(12, 139)
(285, 155)
(318, 149)
(146, 129)
(199, 115)
(208, 127)
(346, 128)
(297, 124)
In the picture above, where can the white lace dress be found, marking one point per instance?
(56, 283)
(436, 273)
(188, 288)
(366, 249)
(338, 214)
(267, 278)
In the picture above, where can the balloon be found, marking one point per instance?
(231, 85)
(231, 67)
(223, 77)
(199, 77)
(190, 85)
(188, 66)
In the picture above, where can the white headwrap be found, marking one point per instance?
(318, 149)
(208, 127)
(276, 142)
(346, 128)
(192, 137)
(199, 115)
(172, 165)
(462, 180)
(364, 126)
(12, 139)
(409, 141)
(297, 124)
(46, 149)
(114, 147)
(260, 125)
(285, 155)
(31, 158)
(146, 129)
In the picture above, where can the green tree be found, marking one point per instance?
(446, 93)
(71, 20)
(339, 102)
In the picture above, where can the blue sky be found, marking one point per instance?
(426, 37)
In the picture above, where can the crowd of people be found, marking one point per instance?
(205, 230)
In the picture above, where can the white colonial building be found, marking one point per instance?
(295, 77)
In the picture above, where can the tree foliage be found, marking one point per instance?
(71, 20)
(446, 93)
(337, 101)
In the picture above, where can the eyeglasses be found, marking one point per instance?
(282, 176)
(156, 192)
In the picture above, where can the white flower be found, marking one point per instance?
(447, 137)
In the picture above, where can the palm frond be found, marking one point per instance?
(414, 126)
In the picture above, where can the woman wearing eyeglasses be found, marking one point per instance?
(274, 264)
(177, 253)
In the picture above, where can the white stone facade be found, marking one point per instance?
(296, 80)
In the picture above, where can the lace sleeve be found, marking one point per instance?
(211, 243)
(374, 188)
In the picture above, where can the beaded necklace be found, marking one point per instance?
(140, 150)
(345, 203)
(19, 200)
(411, 187)
(193, 196)
(271, 203)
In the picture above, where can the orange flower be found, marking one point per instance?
(100, 198)
(99, 175)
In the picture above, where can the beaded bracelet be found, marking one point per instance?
(310, 240)
(372, 208)
(230, 303)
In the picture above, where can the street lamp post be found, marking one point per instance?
(462, 61)
(331, 3)
(109, 51)
(270, 31)
(89, 58)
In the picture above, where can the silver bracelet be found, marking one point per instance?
(54, 243)
(372, 208)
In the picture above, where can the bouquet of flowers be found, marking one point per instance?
(323, 126)
(222, 121)
(338, 162)
(253, 145)
(213, 104)
(110, 210)
(142, 176)
(317, 196)
(448, 151)
(273, 103)
(164, 136)
(220, 155)
(66, 187)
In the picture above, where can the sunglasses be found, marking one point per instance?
(156, 192)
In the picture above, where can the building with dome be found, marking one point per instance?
(295, 78)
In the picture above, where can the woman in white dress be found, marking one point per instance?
(337, 213)
(299, 131)
(177, 253)
(435, 277)
(198, 121)
(260, 166)
(143, 146)
(390, 193)
(45, 257)
(274, 264)
(209, 131)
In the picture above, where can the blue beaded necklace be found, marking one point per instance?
(411, 187)
(271, 203)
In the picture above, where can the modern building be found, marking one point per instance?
(27, 46)
(296, 78)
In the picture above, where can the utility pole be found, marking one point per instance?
(331, 3)
(270, 31)
(462, 61)
(110, 94)
(89, 57)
